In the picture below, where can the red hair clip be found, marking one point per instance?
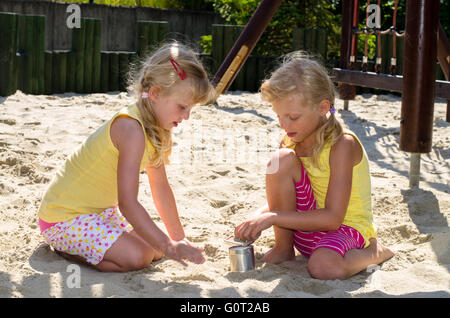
(178, 69)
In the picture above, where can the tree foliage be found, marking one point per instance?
(277, 38)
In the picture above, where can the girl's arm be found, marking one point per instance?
(343, 156)
(128, 137)
(165, 201)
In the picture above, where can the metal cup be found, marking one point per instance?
(242, 258)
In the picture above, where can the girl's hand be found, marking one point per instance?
(179, 250)
(251, 229)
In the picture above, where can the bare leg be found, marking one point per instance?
(128, 253)
(327, 264)
(281, 196)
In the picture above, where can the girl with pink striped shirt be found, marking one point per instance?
(318, 183)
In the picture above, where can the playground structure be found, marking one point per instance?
(424, 38)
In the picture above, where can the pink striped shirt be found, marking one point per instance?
(342, 240)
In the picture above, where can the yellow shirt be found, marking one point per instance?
(87, 182)
(359, 212)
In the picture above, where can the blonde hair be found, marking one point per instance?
(157, 69)
(300, 74)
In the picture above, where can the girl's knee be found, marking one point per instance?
(141, 259)
(324, 268)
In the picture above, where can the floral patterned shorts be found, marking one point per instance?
(88, 236)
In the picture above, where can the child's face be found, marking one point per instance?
(171, 109)
(297, 120)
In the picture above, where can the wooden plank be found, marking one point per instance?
(217, 46)
(310, 40)
(88, 55)
(297, 39)
(143, 29)
(163, 31)
(123, 70)
(322, 43)
(71, 66)
(40, 52)
(251, 74)
(21, 49)
(383, 81)
(8, 48)
(78, 46)
(59, 71)
(386, 53)
(48, 73)
(104, 74)
(261, 66)
(96, 55)
(29, 74)
(114, 71)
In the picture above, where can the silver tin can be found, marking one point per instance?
(242, 258)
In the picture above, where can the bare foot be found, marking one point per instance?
(382, 252)
(277, 255)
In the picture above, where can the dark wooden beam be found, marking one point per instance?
(382, 81)
(419, 73)
(444, 59)
(244, 44)
(347, 92)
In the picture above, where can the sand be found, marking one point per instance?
(217, 175)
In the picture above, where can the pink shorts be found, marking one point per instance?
(342, 240)
(88, 236)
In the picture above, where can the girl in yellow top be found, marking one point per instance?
(90, 212)
(334, 226)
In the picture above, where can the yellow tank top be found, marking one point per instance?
(359, 212)
(87, 182)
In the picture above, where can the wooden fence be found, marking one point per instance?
(26, 66)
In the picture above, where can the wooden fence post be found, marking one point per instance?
(39, 50)
(124, 61)
(8, 48)
(311, 40)
(71, 71)
(114, 71)
(78, 43)
(48, 73)
(97, 56)
(59, 71)
(25, 51)
(104, 74)
(88, 54)
(149, 34)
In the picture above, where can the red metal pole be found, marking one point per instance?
(244, 44)
(419, 66)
